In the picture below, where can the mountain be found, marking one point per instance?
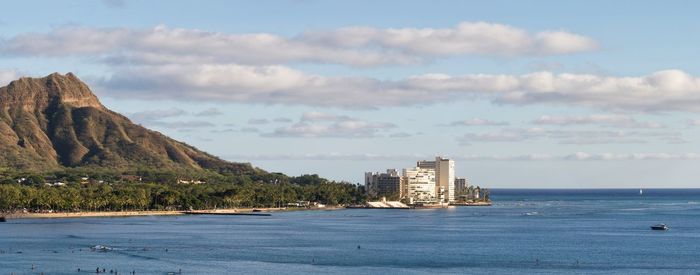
(56, 122)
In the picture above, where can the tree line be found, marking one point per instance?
(142, 191)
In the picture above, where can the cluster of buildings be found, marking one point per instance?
(429, 182)
(56, 183)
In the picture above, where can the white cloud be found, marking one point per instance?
(344, 129)
(480, 38)
(328, 156)
(478, 122)
(154, 115)
(233, 130)
(605, 120)
(316, 124)
(181, 124)
(578, 156)
(319, 116)
(561, 42)
(157, 118)
(356, 45)
(222, 131)
(163, 45)
(571, 136)
(660, 91)
(669, 90)
(209, 112)
(509, 135)
(632, 156)
(590, 119)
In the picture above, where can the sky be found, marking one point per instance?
(521, 94)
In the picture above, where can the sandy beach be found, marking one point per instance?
(89, 214)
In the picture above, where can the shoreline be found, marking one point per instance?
(91, 214)
(106, 214)
(478, 203)
(141, 213)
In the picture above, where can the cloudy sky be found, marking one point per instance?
(539, 94)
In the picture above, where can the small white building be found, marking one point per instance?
(55, 184)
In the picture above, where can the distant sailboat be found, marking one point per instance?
(640, 191)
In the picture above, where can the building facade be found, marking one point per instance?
(444, 177)
(387, 184)
(426, 164)
(461, 186)
(420, 185)
(462, 189)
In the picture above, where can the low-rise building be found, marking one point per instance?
(55, 184)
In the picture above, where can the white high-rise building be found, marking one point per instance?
(420, 184)
(444, 176)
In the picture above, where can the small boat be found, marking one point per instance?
(3, 219)
(641, 192)
(660, 226)
(100, 248)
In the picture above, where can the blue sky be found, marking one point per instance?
(521, 94)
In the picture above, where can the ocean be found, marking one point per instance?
(524, 232)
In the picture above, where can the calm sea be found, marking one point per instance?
(526, 231)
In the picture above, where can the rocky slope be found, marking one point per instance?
(56, 121)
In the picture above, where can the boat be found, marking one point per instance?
(640, 192)
(660, 226)
(3, 219)
(100, 248)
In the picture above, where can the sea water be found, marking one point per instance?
(525, 231)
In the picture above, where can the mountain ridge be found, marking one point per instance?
(56, 122)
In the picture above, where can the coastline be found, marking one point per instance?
(105, 214)
(116, 214)
(91, 214)
(478, 203)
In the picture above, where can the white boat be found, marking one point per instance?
(660, 226)
(640, 191)
(100, 248)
